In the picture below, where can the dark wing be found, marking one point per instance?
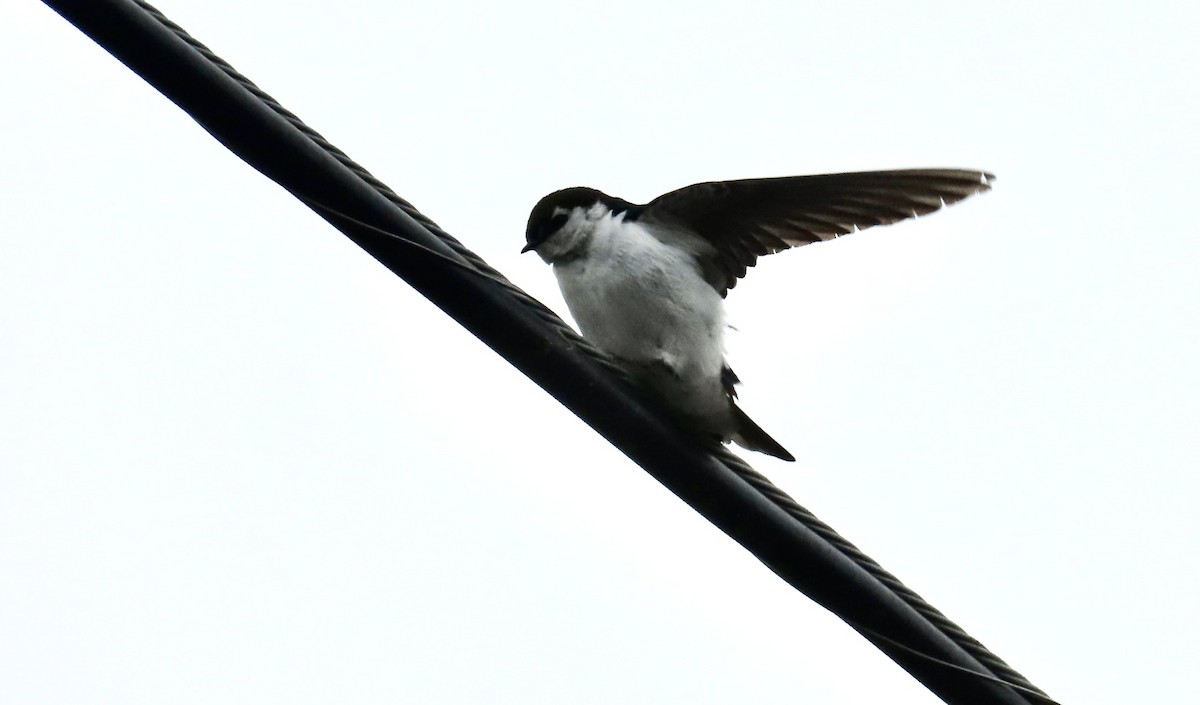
(744, 220)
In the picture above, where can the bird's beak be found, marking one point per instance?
(528, 247)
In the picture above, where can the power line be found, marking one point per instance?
(793, 543)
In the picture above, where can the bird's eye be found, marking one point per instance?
(554, 224)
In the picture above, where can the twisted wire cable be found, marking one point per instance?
(971, 645)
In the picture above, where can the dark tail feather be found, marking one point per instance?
(751, 437)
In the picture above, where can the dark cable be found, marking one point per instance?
(797, 546)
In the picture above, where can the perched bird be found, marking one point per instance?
(646, 283)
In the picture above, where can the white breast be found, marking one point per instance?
(645, 302)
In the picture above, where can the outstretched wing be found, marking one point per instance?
(743, 220)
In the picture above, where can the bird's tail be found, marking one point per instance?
(751, 437)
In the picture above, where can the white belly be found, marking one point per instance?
(646, 303)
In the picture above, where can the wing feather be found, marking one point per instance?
(744, 220)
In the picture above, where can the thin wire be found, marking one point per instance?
(943, 623)
(487, 274)
(1031, 691)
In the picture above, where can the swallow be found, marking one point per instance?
(647, 283)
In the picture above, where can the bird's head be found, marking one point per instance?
(548, 228)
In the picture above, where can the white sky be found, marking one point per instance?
(240, 462)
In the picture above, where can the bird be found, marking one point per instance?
(646, 283)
